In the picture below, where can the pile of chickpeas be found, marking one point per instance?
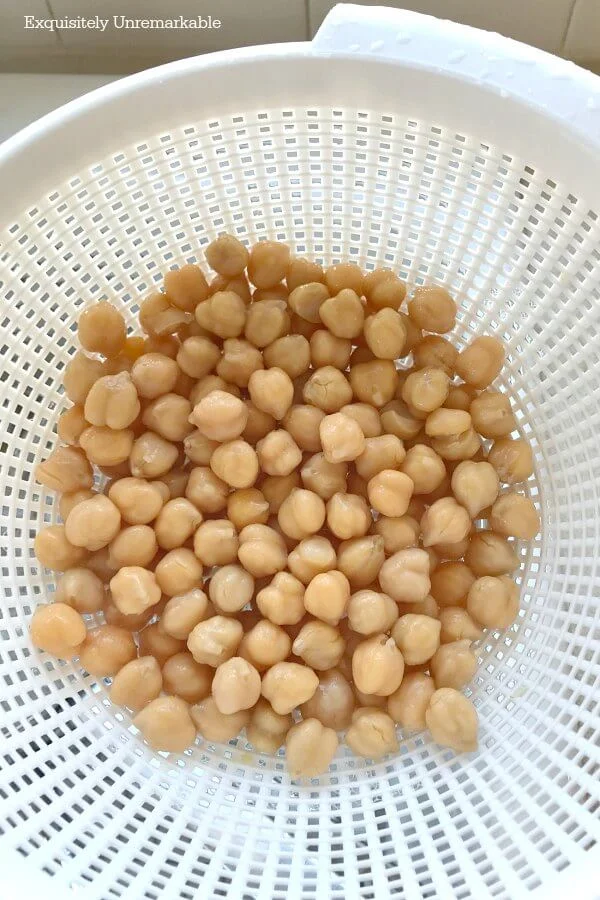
(289, 507)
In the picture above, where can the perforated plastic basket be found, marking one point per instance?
(453, 156)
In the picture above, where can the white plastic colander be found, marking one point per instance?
(453, 156)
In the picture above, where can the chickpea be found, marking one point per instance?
(348, 516)
(266, 730)
(276, 488)
(306, 300)
(207, 492)
(176, 523)
(303, 271)
(182, 613)
(333, 701)
(105, 650)
(361, 354)
(173, 483)
(398, 533)
(407, 706)
(457, 625)
(390, 492)
(343, 315)
(80, 589)
(396, 419)
(290, 353)
(287, 685)
(272, 391)
(186, 287)
(385, 334)
(80, 374)
(178, 571)
(262, 550)
(100, 564)
(377, 666)
(309, 749)
(282, 601)
(210, 383)
(436, 352)
(371, 612)
(66, 470)
(328, 350)
(259, 425)
(216, 542)
(360, 559)
(432, 309)
(138, 501)
(417, 637)
(381, 453)
(489, 553)
(323, 477)
(137, 683)
(235, 463)
(231, 588)
(134, 589)
(453, 551)
(512, 460)
(268, 263)
(166, 724)
(223, 314)
(372, 733)
(515, 515)
(227, 256)
(198, 356)
(425, 391)
(58, 629)
(327, 596)
(220, 416)
(166, 344)
(492, 414)
(213, 725)
(452, 720)
(457, 446)
(151, 456)
(426, 607)
(265, 644)
(460, 396)
(215, 640)
(71, 425)
(198, 448)
(493, 602)
(278, 453)
(341, 437)
(453, 665)
(405, 576)
(54, 551)
(327, 389)
(475, 485)
(385, 292)
(168, 416)
(266, 322)
(101, 329)
(134, 546)
(303, 422)
(367, 417)
(480, 362)
(186, 678)
(374, 382)
(301, 514)
(248, 506)
(446, 422)
(239, 361)
(311, 557)
(112, 401)
(445, 522)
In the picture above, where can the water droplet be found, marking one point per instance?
(457, 56)
(377, 45)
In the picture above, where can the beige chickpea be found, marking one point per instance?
(287, 685)
(134, 589)
(453, 551)
(272, 391)
(166, 724)
(178, 571)
(432, 309)
(445, 422)
(176, 523)
(276, 488)
(133, 622)
(366, 416)
(93, 523)
(66, 470)
(81, 589)
(135, 545)
(374, 382)
(426, 607)
(266, 729)
(227, 256)
(360, 559)
(309, 749)
(173, 483)
(137, 683)
(377, 666)
(348, 516)
(239, 284)
(247, 506)
(372, 733)
(186, 287)
(383, 452)
(138, 501)
(515, 515)
(372, 280)
(206, 491)
(405, 575)
(327, 389)
(223, 314)
(303, 271)
(492, 414)
(268, 263)
(216, 542)
(493, 602)
(278, 292)
(460, 396)
(390, 492)
(455, 447)
(291, 353)
(311, 557)
(267, 321)
(105, 650)
(182, 613)
(58, 629)
(185, 678)
(306, 301)
(112, 401)
(101, 329)
(166, 345)
(386, 293)
(231, 588)
(71, 424)
(301, 514)
(278, 453)
(323, 477)
(81, 373)
(54, 550)
(239, 361)
(398, 420)
(151, 456)
(457, 625)
(213, 725)
(168, 416)
(385, 334)
(259, 424)
(407, 706)
(236, 686)
(475, 485)
(198, 356)
(68, 501)
(303, 422)
(453, 665)
(235, 463)
(210, 383)
(262, 550)
(512, 460)
(333, 701)
(282, 601)
(445, 521)
(480, 362)
(220, 416)
(417, 637)
(452, 720)
(215, 640)
(435, 351)
(265, 644)
(342, 438)
(328, 350)
(398, 533)
(371, 612)
(344, 276)
(425, 391)
(100, 564)
(327, 596)
(343, 314)
(489, 553)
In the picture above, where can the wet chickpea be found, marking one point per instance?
(240, 359)
(303, 271)
(475, 485)
(425, 391)
(405, 575)
(134, 589)
(133, 546)
(327, 596)
(398, 533)
(328, 350)
(112, 401)
(374, 382)
(178, 571)
(445, 521)
(151, 456)
(492, 414)
(301, 514)
(81, 373)
(105, 650)
(333, 701)
(309, 749)
(390, 492)
(220, 416)
(168, 416)
(397, 420)
(186, 287)
(380, 453)
(183, 612)
(290, 353)
(366, 416)
(512, 460)
(451, 551)
(432, 309)
(348, 516)
(417, 637)
(166, 724)
(266, 729)
(138, 501)
(453, 665)
(185, 678)
(215, 640)
(213, 725)
(445, 422)
(198, 448)
(493, 602)
(166, 345)
(407, 706)
(489, 553)
(54, 550)
(374, 278)
(81, 589)
(71, 424)
(206, 491)
(344, 276)
(235, 463)
(452, 720)
(197, 356)
(311, 557)
(137, 683)
(272, 391)
(101, 329)
(176, 522)
(342, 438)
(387, 293)
(357, 485)
(455, 447)
(231, 588)
(306, 301)
(266, 322)
(327, 389)
(323, 477)
(268, 263)
(259, 424)
(343, 314)
(175, 482)
(360, 559)
(282, 601)
(480, 362)
(161, 320)
(278, 453)
(265, 644)
(436, 352)
(457, 625)
(248, 506)
(287, 685)
(460, 396)
(372, 733)
(303, 422)
(262, 551)
(216, 542)
(58, 629)
(99, 563)
(515, 515)
(223, 314)
(385, 334)
(66, 470)
(377, 666)
(208, 384)
(371, 612)
(276, 488)
(227, 256)
(361, 354)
